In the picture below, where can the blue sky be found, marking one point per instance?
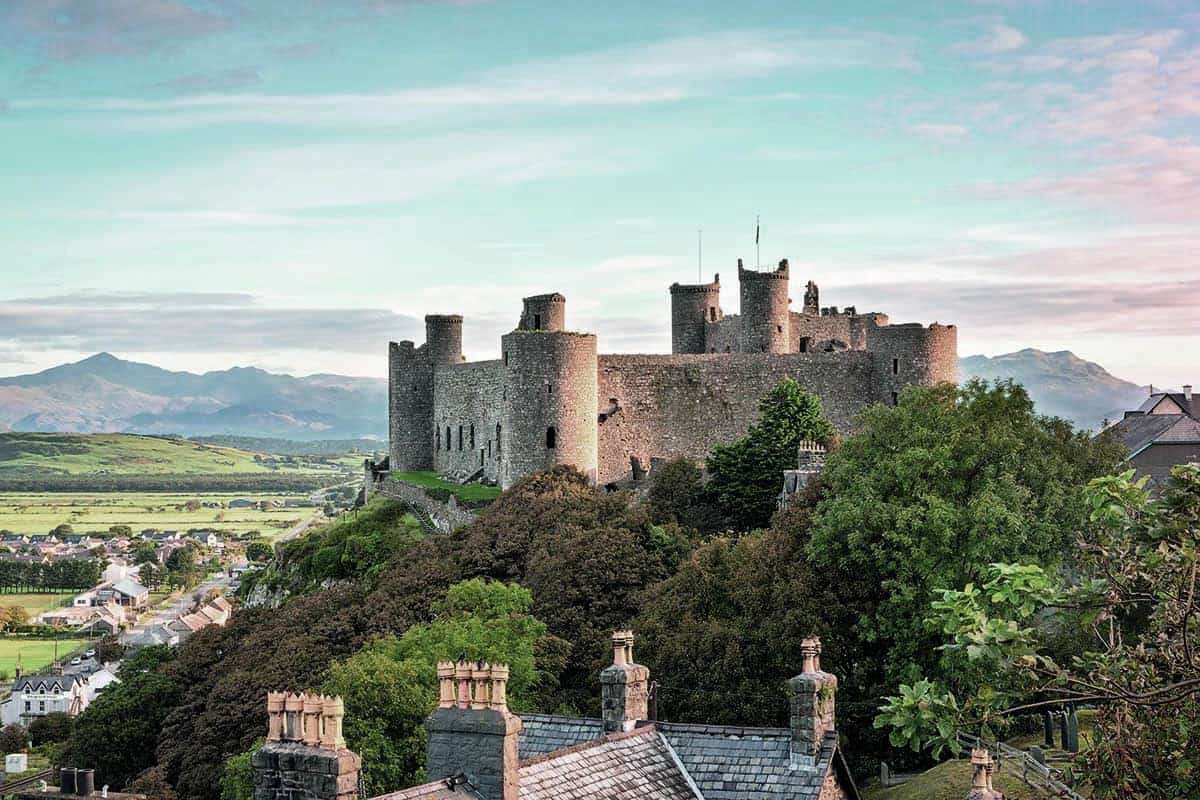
(201, 183)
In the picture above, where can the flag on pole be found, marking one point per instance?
(756, 230)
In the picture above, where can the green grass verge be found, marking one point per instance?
(36, 654)
(431, 480)
(950, 780)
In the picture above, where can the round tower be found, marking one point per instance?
(410, 409)
(765, 325)
(693, 306)
(443, 338)
(912, 354)
(550, 391)
(544, 312)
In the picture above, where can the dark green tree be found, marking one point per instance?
(747, 475)
(54, 727)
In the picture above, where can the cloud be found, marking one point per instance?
(941, 133)
(219, 81)
(193, 323)
(999, 37)
(64, 30)
(664, 71)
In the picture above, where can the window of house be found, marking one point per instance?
(895, 366)
(551, 438)
(28, 705)
(41, 705)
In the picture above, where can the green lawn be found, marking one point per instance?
(129, 454)
(950, 780)
(36, 654)
(36, 603)
(431, 480)
(96, 512)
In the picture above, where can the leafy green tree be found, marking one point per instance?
(1138, 594)
(390, 686)
(120, 530)
(237, 778)
(931, 491)
(55, 727)
(13, 738)
(63, 529)
(117, 731)
(746, 475)
(145, 552)
(259, 551)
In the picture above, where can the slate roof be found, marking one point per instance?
(1191, 407)
(130, 588)
(1138, 430)
(545, 733)
(622, 766)
(438, 790)
(31, 683)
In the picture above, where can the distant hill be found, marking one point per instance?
(24, 454)
(1061, 384)
(104, 393)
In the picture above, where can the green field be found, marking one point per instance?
(128, 454)
(97, 512)
(36, 654)
(36, 603)
(431, 480)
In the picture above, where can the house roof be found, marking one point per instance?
(1139, 431)
(130, 587)
(1191, 407)
(569, 758)
(31, 683)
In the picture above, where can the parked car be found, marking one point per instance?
(76, 661)
(90, 654)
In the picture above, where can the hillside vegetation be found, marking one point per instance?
(128, 454)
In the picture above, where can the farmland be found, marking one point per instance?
(96, 512)
(36, 654)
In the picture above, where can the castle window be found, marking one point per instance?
(549, 388)
(537, 322)
(779, 329)
(481, 456)
(895, 398)
(498, 439)
(438, 437)
(506, 358)
(804, 342)
(460, 438)
(712, 350)
(726, 348)
(712, 313)
(489, 448)
(895, 366)
(551, 438)
(472, 435)
(447, 437)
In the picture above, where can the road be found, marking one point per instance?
(300, 527)
(182, 604)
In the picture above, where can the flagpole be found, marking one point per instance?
(757, 255)
(700, 255)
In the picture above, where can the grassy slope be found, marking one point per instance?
(950, 780)
(36, 654)
(120, 454)
(431, 480)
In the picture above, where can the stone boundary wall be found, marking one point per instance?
(446, 517)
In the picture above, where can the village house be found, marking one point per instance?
(127, 593)
(479, 750)
(213, 612)
(153, 636)
(1161, 433)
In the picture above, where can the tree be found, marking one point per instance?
(930, 491)
(145, 552)
(1138, 593)
(237, 778)
(109, 649)
(677, 494)
(118, 731)
(120, 530)
(64, 529)
(150, 576)
(13, 738)
(746, 475)
(390, 686)
(12, 617)
(54, 727)
(259, 551)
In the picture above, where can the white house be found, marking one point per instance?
(118, 570)
(39, 695)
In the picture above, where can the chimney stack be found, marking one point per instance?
(981, 783)
(305, 755)
(1187, 392)
(624, 687)
(472, 733)
(812, 706)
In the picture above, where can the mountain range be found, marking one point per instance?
(104, 393)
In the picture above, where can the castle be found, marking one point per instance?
(551, 398)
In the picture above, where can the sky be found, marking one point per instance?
(291, 183)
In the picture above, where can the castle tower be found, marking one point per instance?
(912, 353)
(410, 408)
(443, 338)
(544, 312)
(765, 321)
(693, 307)
(550, 403)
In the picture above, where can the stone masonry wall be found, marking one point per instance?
(682, 405)
(446, 517)
(293, 771)
(467, 397)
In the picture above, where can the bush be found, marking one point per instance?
(13, 738)
(54, 727)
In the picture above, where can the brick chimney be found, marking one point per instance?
(981, 784)
(305, 756)
(472, 734)
(624, 687)
(1187, 392)
(812, 706)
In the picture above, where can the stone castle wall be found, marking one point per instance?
(446, 517)
(681, 405)
(467, 402)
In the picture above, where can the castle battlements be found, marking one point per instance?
(552, 398)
